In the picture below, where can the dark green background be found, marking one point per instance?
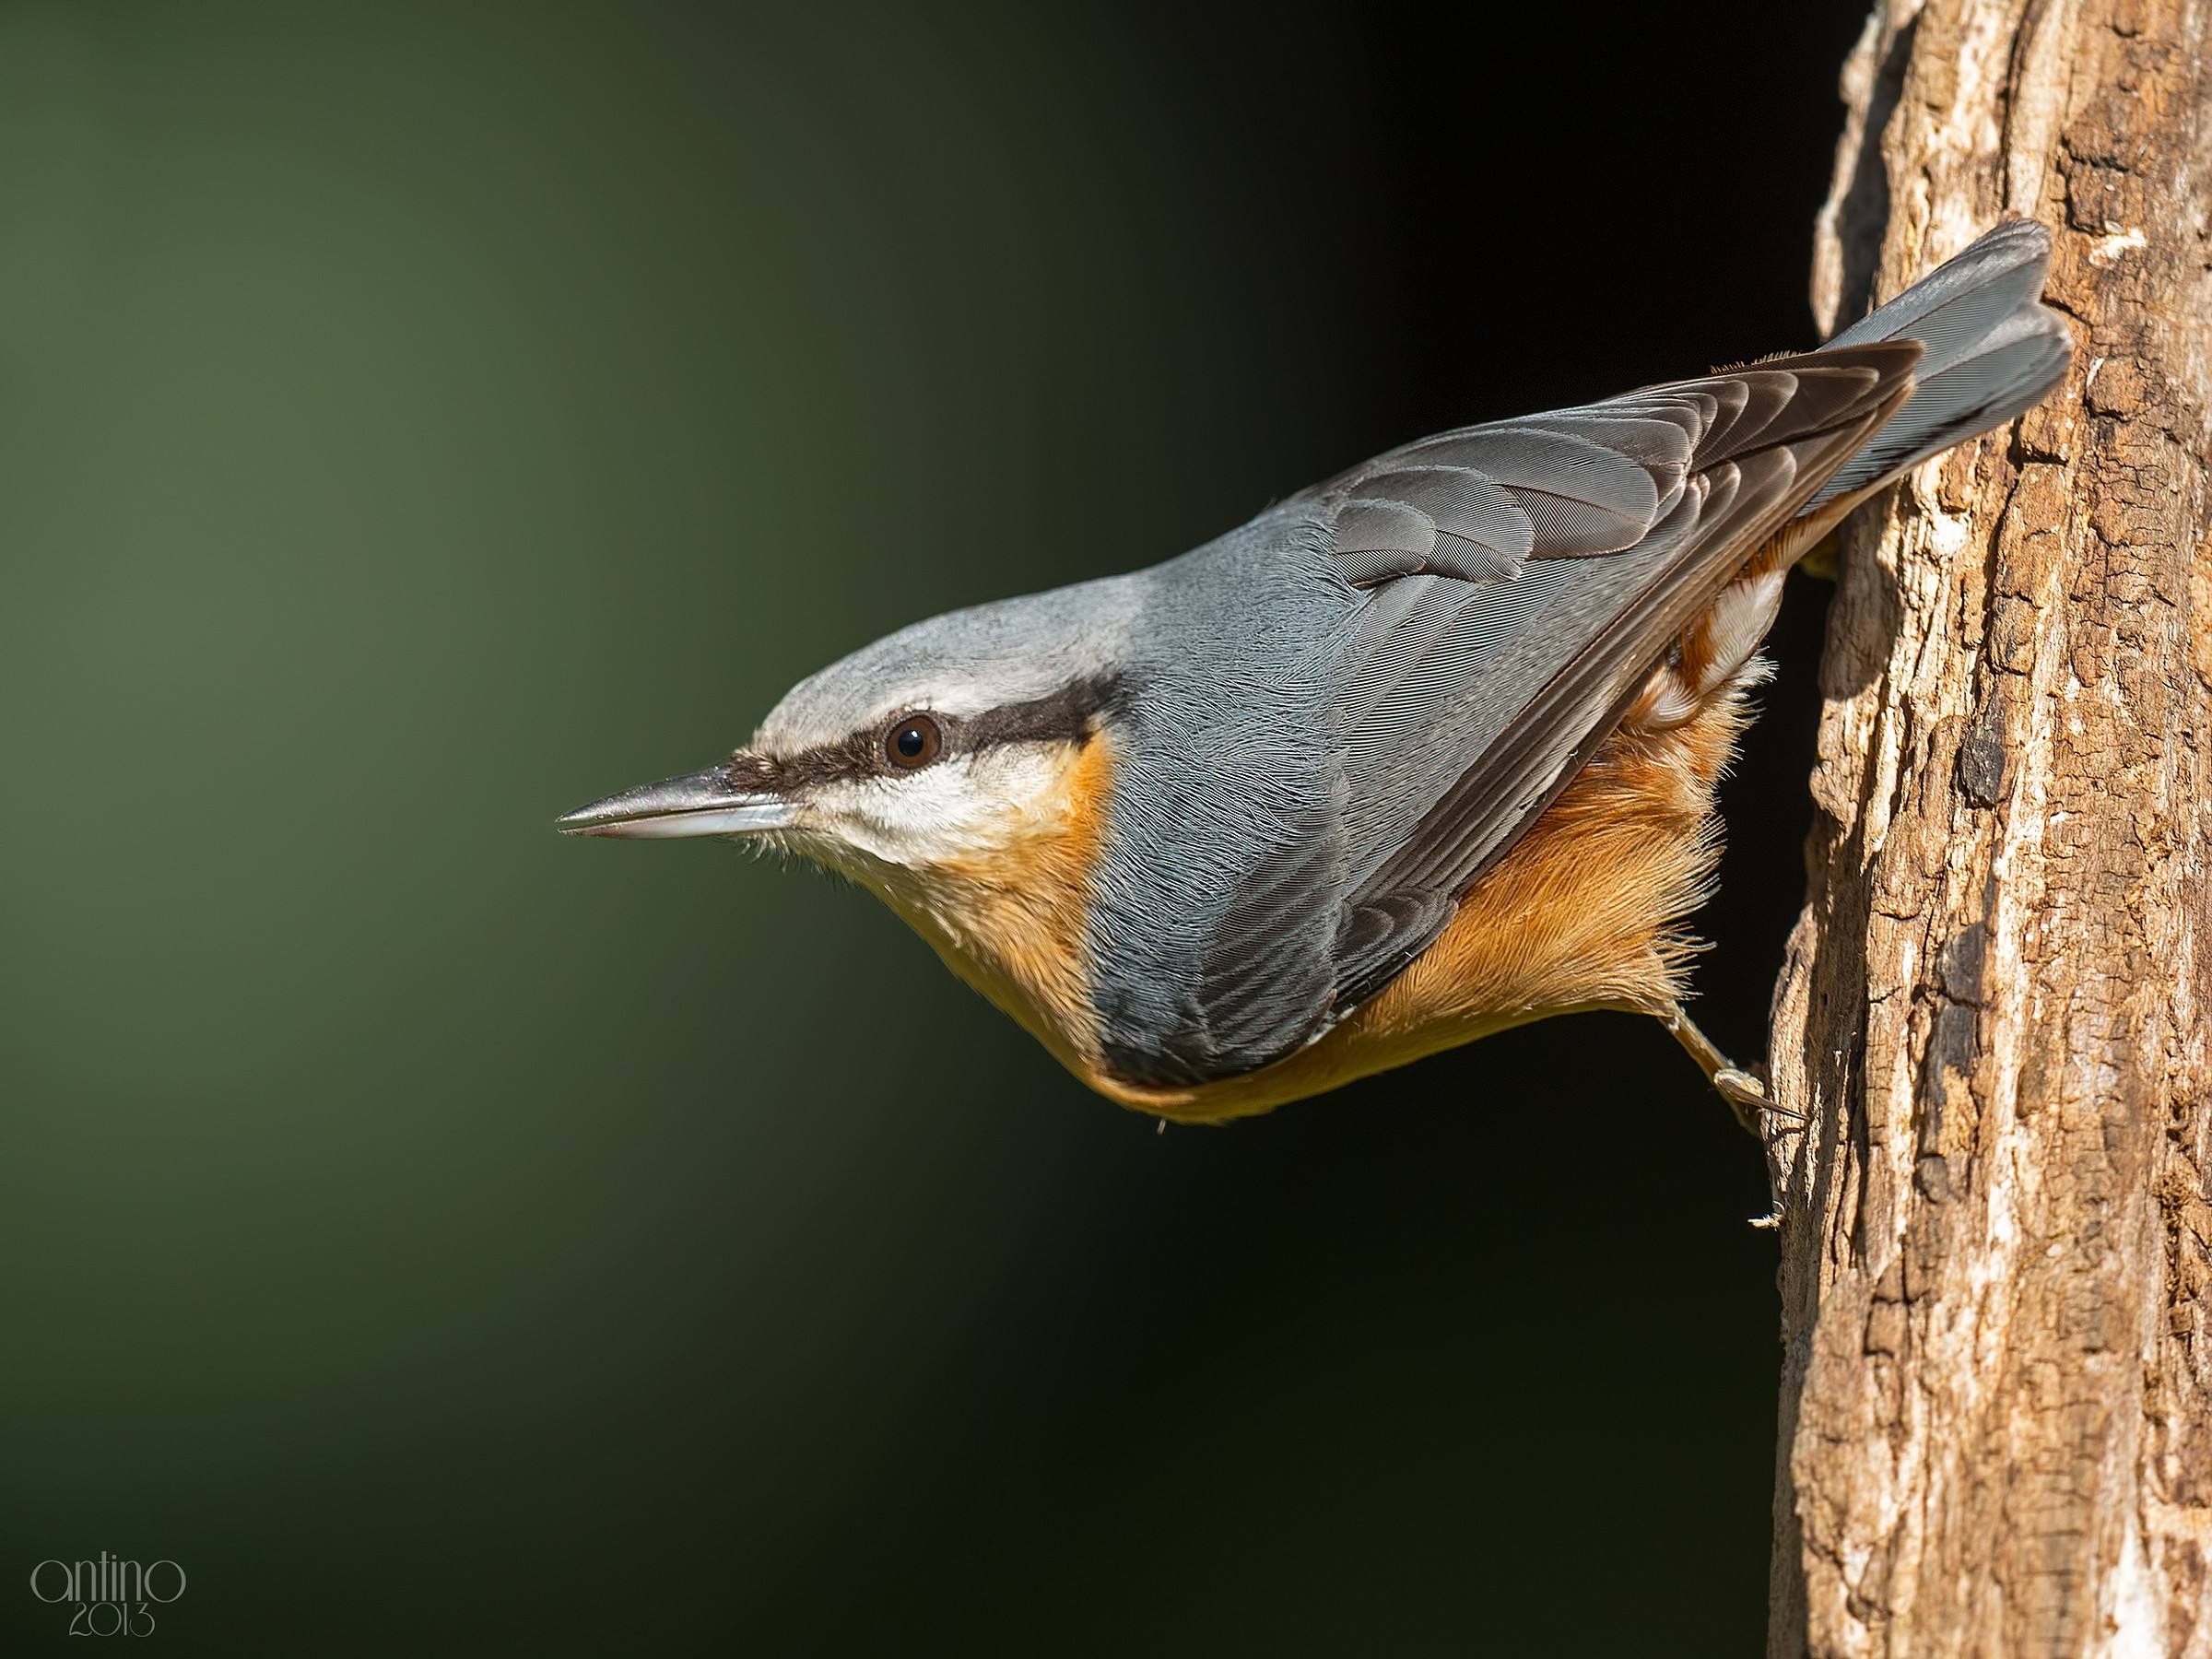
(438, 1236)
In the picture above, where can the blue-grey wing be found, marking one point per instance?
(1506, 588)
(1477, 683)
(1463, 618)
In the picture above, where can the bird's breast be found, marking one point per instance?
(1010, 917)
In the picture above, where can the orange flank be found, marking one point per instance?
(1581, 914)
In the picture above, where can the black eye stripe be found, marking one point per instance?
(1064, 715)
(1067, 714)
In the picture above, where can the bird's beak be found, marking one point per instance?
(701, 803)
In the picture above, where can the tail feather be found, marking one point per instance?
(1993, 351)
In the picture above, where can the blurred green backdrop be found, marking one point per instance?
(437, 1236)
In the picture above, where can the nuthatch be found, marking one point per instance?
(1420, 753)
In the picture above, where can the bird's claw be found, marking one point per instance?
(1746, 1095)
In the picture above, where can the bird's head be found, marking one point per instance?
(959, 767)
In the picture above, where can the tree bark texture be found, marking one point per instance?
(1996, 1406)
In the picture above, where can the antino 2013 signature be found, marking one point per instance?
(112, 1596)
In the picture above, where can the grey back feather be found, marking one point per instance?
(1334, 719)
(1326, 739)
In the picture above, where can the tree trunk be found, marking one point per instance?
(1995, 1436)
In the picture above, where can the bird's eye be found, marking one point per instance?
(914, 742)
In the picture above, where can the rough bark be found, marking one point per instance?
(1995, 1436)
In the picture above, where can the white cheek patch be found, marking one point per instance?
(958, 808)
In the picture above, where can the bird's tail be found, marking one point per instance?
(1992, 351)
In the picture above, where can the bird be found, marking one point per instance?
(1423, 752)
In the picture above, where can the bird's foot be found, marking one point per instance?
(1746, 1095)
(1745, 1090)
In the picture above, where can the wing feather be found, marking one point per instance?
(1469, 704)
(1466, 618)
(1491, 596)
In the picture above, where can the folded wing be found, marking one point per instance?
(1534, 570)
(1516, 583)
